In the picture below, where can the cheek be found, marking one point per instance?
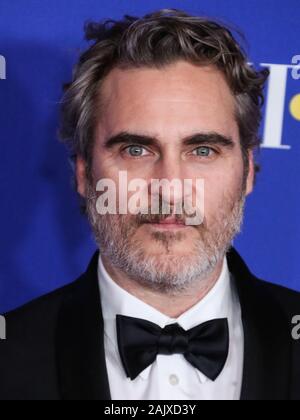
(103, 167)
(221, 189)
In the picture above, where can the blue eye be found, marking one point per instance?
(203, 151)
(135, 151)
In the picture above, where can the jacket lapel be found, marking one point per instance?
(267, 343)
(80, 341)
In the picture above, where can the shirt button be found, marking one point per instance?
(174, 380)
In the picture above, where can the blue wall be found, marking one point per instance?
(45, 243)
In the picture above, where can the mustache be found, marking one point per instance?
(179, 212)
(157, 218)
(143, 217)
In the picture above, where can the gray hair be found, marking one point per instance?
(157, 40)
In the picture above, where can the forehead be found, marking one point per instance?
(179, 98)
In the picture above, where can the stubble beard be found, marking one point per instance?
(165, 272)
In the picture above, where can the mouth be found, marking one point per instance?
(169, 224)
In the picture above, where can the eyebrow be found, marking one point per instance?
(211, 138)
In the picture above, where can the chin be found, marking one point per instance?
(163, 251)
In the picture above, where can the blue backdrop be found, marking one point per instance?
(45, 243)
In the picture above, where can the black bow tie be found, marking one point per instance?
(205, 346)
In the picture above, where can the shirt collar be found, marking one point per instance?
(117, 301)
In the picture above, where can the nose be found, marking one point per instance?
(169, 173)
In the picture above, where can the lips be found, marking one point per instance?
(171, 221)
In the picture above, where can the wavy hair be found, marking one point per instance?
(157, 40)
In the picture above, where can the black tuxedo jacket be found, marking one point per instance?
(55, 349)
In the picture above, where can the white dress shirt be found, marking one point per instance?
(172, 377)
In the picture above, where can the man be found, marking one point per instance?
(167, 309)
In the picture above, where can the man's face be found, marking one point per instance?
(169, 106)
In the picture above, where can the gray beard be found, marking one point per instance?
(167, 274)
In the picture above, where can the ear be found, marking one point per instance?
(80, 175)
(251, 174)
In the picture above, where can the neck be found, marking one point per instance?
(170, 305)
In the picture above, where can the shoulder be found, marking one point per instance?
(31, 329)
(41, 310)
(40, 315)
(29, 354)
(253, 289)
(287, 299)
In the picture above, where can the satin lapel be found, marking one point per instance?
(267, 356)
(80, 341)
